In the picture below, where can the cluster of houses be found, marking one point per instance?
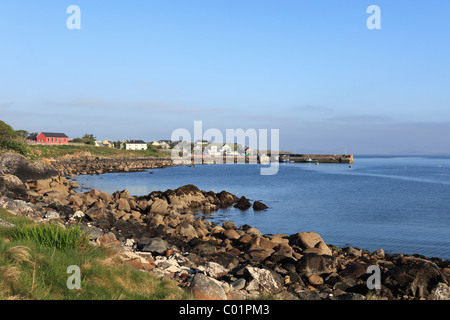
(199, 147)
(134, 144)
(221, 149)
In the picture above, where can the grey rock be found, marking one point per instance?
(93, 232)
(12, 187)
(156, 246)
(15, 164)
(215, 270)
(19, 207)
(312, 263)
(51, 215)
(187, 230)
(264, 280)
(238, 284)
(206, 288)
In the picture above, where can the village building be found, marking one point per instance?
(163, 144)
(226, 149)
(49, 137)
(106, 143)
(136, 145)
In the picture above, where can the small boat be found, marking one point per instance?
(309, 160)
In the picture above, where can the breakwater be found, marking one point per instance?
(318, 158)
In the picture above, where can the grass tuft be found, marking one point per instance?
(53, 235)
(18, 254)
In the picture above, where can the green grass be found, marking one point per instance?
(52, 235)
(34, 266)
(35, 152)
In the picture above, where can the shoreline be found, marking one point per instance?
(197, 253)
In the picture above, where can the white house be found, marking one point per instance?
(226, 149)
(211, 150)
(136, 145)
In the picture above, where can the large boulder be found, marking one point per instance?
(123, 205)
(258, 205)
(20, 207)
(159, 206)
(312, 263)
(215, 270)
(206, 288)
(203, 247)
(18, 165)
(263, 280)
(99, 215)
(226, 199)
(243, 203)
(414, 277)
(186, 229)
(284, 251)
(260, 248)
(354, 270)
(186, 196)
(309, 242)
(156, 246)
(12, 187)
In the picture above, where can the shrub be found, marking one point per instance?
(10, 140)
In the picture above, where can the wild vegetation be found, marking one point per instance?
(10, 139)
(33, 265)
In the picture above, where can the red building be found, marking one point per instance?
(50, 137)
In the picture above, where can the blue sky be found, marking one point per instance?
(141, 69)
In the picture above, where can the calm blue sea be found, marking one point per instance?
(398, 203)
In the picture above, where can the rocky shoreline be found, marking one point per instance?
(161, 233)
(89, 164)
